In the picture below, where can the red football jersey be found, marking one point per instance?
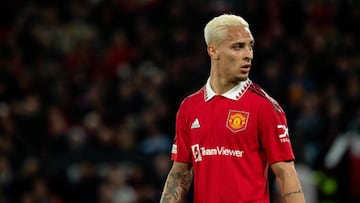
(230, 140)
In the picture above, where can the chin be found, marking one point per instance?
(240, 79)
(243, 77)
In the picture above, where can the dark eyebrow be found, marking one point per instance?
(242, 44)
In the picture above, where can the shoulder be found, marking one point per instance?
(263, 98)
(190, 102)
(194, 98)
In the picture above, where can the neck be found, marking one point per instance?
(221, 85)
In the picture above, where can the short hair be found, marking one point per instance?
(214, 29)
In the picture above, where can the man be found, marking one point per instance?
(230, 131)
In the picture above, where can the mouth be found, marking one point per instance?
(245, 68)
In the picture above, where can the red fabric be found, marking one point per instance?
(355, 175)
(116, 56)
(231, 145)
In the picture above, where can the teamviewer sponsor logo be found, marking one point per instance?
(200, 152)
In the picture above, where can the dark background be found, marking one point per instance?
(89, 91)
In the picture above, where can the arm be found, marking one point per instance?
(288, 182)
(177, 183)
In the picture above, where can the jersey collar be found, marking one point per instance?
(234, 94)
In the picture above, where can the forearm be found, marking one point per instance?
(289, 184)
(177, 184)
(291, 192)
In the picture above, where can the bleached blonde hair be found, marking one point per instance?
(214, 30)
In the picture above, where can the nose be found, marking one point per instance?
(248, 56)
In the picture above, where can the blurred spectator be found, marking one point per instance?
(83, 182)
(6, 179)
(115, 189)
(309, 129)
(39, 192)
(119, 53)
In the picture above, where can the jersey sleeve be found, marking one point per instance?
(274, 133)
(180, 150)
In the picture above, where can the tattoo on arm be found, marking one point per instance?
(176, 186)
(292, 193)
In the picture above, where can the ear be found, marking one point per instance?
(212, 51)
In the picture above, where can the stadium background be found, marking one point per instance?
(89, 92)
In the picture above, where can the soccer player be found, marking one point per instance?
(230, 131)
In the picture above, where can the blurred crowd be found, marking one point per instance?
(89, 90)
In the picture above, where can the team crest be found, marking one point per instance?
(237, 120)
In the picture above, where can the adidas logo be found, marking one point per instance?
(195, 124)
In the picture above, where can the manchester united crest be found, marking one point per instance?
(237, 120)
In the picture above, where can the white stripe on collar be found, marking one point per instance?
(234, 94)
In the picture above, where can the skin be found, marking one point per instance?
(230, 64)
(177, 183)
(231, 59)
(288, 182)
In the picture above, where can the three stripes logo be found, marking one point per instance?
(195, 124)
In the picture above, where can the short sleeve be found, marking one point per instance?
(274, 133)
(180, 150)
